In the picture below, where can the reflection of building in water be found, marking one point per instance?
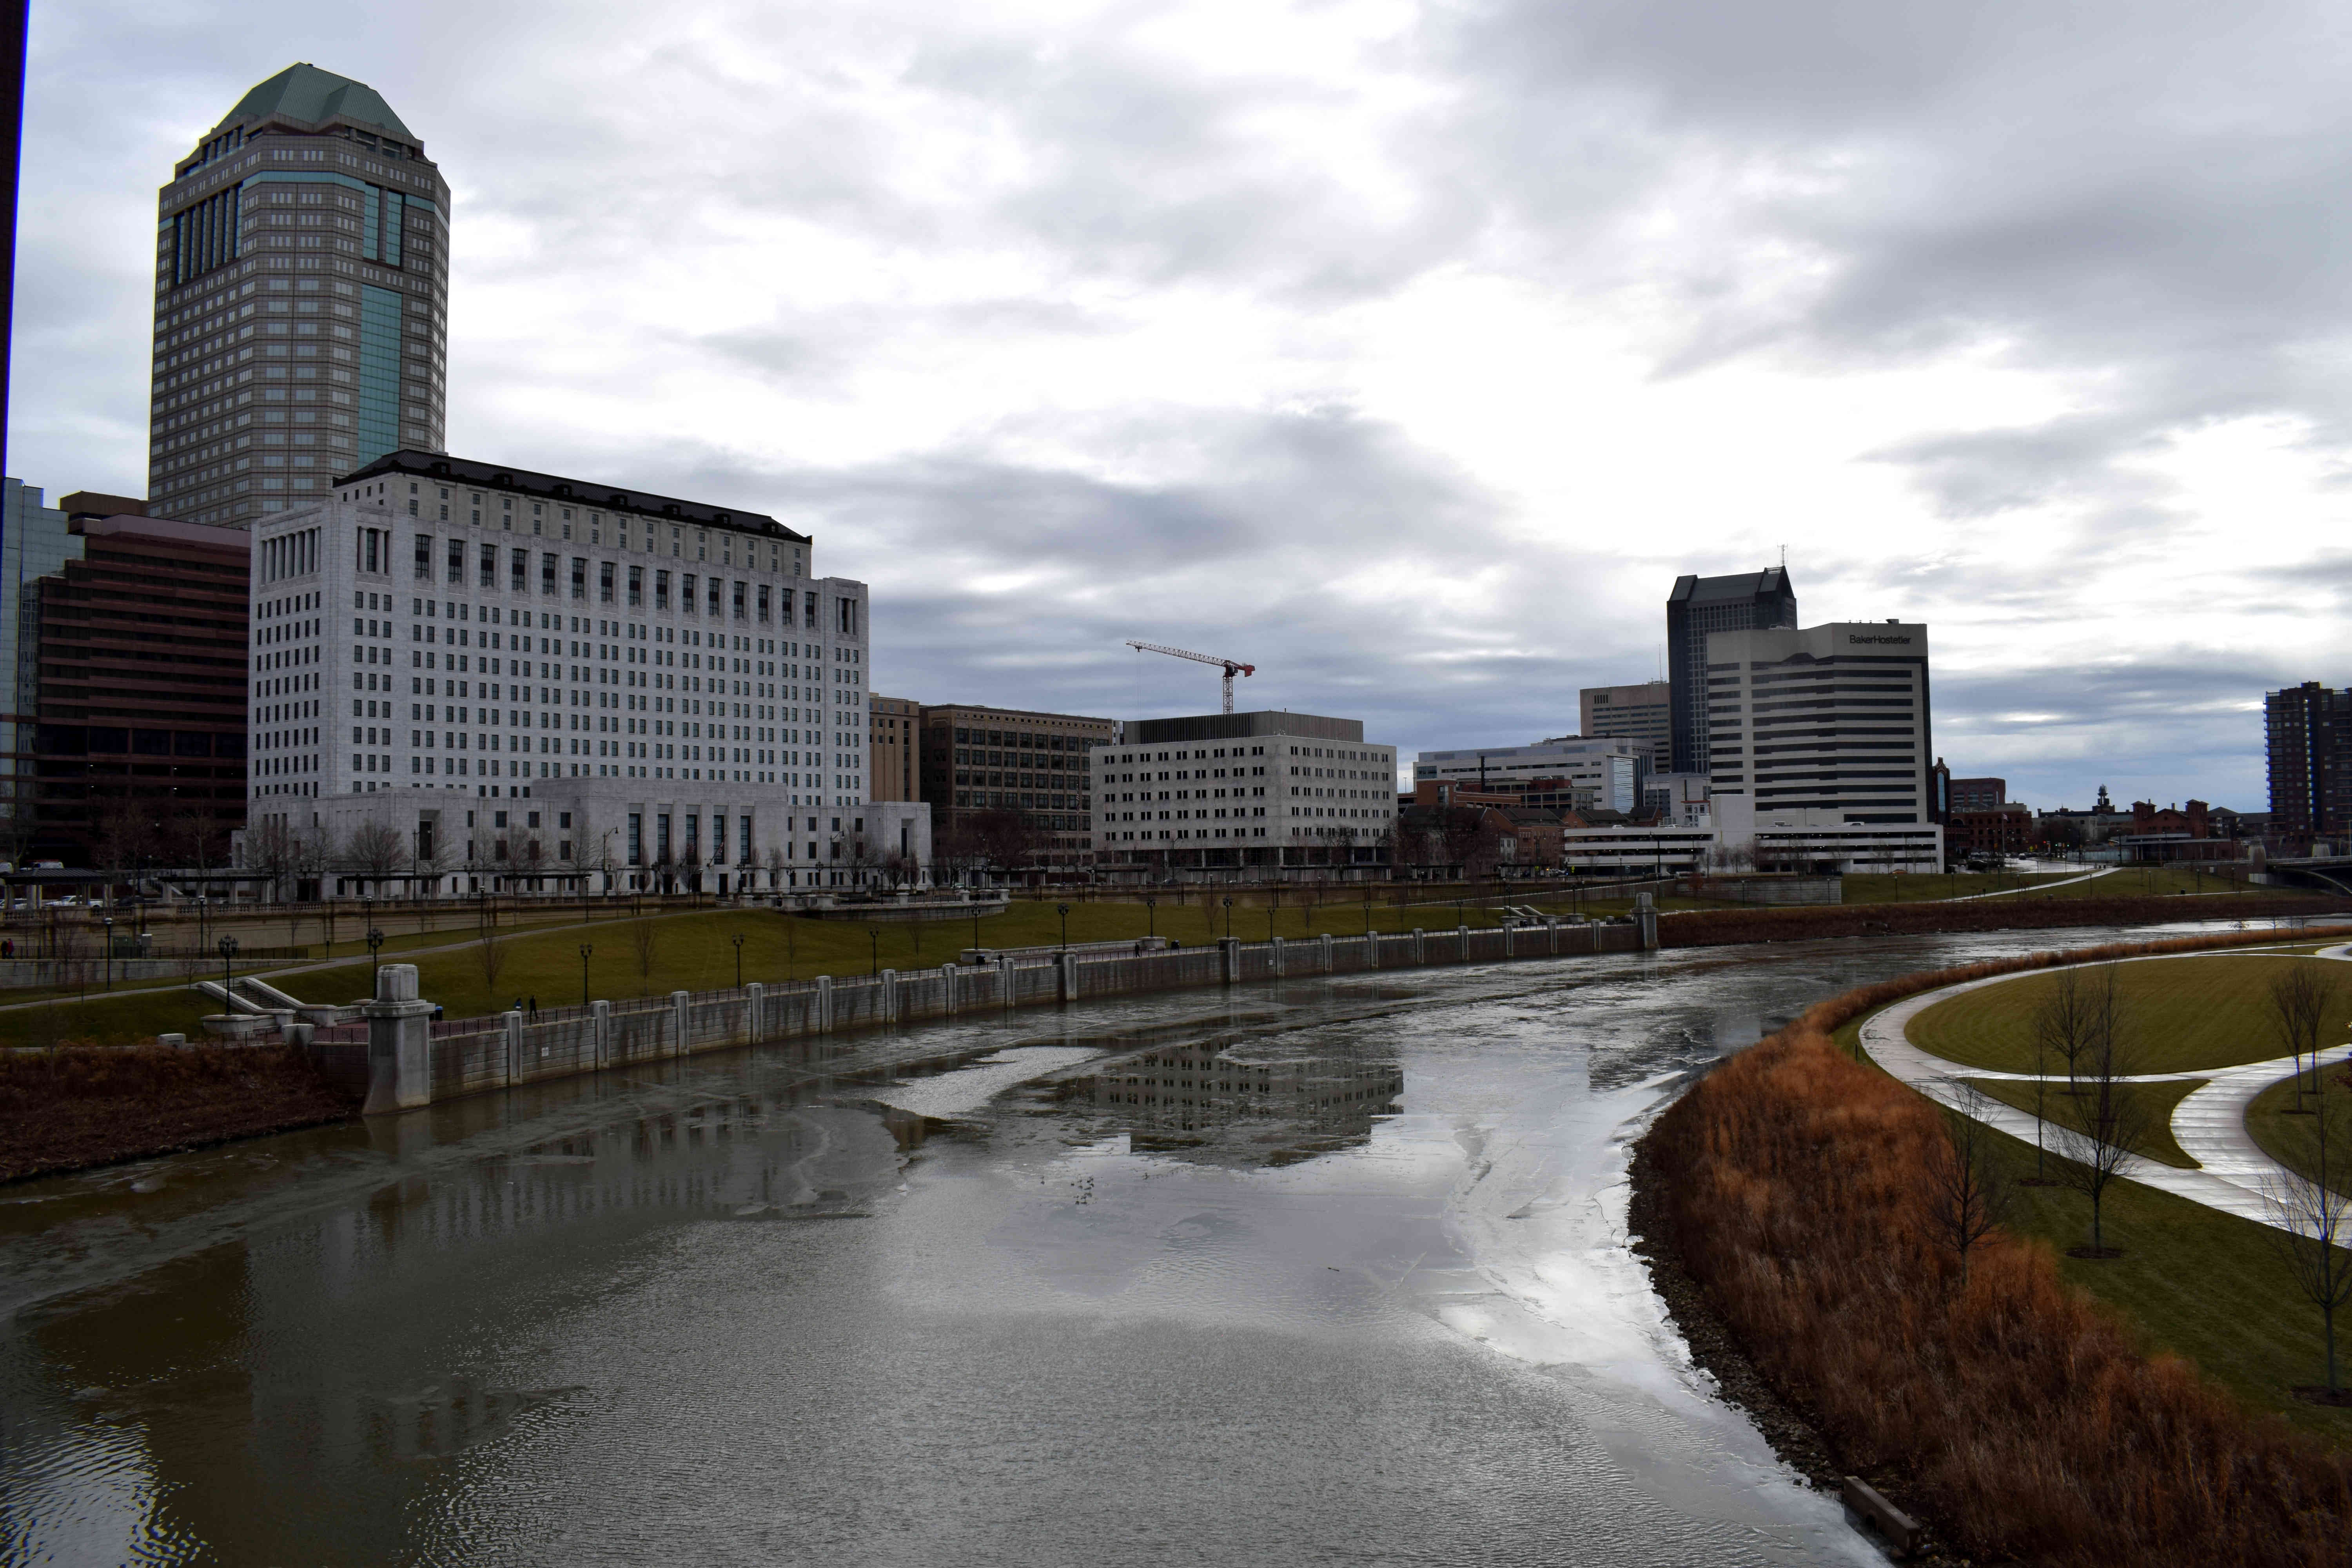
(1208, 1103)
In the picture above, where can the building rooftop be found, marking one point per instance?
(443, 469)
(1238, 726)
(304, 92)
(1691, 590)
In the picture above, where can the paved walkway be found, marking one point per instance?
(2034, 887)
(2210, 1123)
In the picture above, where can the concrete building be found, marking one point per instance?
(1231, 791)
(1831, 721)
(136, 664)
(1643, 712)
(978, 760)
(1613, 770)
(1698, 608)
(301, 301)
(2307, 734)
(894, 729)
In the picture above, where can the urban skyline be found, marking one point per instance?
(1930, 500)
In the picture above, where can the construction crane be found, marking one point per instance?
(1232, 667)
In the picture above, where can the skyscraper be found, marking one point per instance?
(301, 301)
(1750, 600)
(2309, 731)
(1826, 725)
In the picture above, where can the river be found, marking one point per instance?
(1332, 1272)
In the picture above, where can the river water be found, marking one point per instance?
(1331, 1272)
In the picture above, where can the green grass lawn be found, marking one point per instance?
(695, 952)
(2058, 1106)
(2205, 1285)
(2182, 1014)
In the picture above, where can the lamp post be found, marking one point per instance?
(874, 944)
(1063, 910)
(586, 949)
(109, 923)
(1229, 915)
(1151, 917)
(738, 939)
(202, 937)
(228, 961)
(374, 944)
(1367, 912)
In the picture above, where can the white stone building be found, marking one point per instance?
(464, 634)
(1612, 769)
(1270, 789)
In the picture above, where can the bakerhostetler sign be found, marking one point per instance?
(1900, 640)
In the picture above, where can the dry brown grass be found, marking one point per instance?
(82, 1106)
(1714, 928)
(2019, 1413)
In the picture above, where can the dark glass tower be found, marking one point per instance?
(2309, 735)
(301, 301)
(1750, 600)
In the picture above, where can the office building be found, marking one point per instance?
(135, 685)
(1978, 794)
(301, 299)
(35, 543)
(1698, 608)
(1231, 790)
(894, 727)
(1821, 726)
(1643, 712)
(978, 760)
(1612, 772)
(2308, 732)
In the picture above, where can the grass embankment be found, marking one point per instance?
(696, 951)
(2154, 1100)
(64, 1109)
(2283, 1122)
(2017, 1416)
(2184, 1014)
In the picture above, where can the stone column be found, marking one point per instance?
(890, 997)
(1005, 996)
(948, 989)
(512, 1024)
(1066, 977)
(678, 1021)
(821, 1019)
(1420, 947)
(1229, 956)
(400, 1043)
(601, 1014)
(1462, 944)
(1645, 913)
(1372, 950)
(1275, 945)
(1326, 940)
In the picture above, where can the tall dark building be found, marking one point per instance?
(137, 661)
(1747, 602)
(2308, 733)
(301, 301)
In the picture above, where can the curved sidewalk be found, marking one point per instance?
(2210, 1123)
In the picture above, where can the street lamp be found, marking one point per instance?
(374, 944)
(1229, 916)
(873, 943)
(586, 949)
(1063, 910)
(201, 935)
(109, 923)
(738, 940)
(1151, 917)
(228, 959)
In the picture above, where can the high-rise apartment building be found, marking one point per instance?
(894, 727)
(2308, 732)
(301, 301)
(1696, 610)
(1825, 725)
(1643, 712)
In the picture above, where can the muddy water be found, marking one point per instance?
(1332, 1273)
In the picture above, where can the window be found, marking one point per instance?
(686, 600)
(637, 839)
(661, 589)
(457, 563)
(579, 578)
(605, 583)
(425, 558)
(763, 605)
(637, 588)
(742, 597)
(547, 570)
(518, 571)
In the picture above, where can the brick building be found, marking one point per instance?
(893, 726)
(977, 760)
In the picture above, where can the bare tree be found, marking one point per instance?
(2309, 1223)
(2067, 1020)
(1006, 838)
(275, 851)
(2113, 1120)
(642, 938)
(2297, 1003)
(374, 852)
(1967, 1199)
(487, 947)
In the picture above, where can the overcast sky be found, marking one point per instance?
(1409, 351)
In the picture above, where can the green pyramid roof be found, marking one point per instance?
(305, 92)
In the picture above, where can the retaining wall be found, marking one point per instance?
(475, 1055)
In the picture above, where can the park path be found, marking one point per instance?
(2033, 887)
(2208, 1123)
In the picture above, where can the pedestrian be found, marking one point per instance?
(517, 1006)
(7, 947)
(534, 1009)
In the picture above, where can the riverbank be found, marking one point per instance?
(81, 1107)
(1717, 928)
(1785, 1196)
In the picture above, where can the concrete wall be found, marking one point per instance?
(475, 1055)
